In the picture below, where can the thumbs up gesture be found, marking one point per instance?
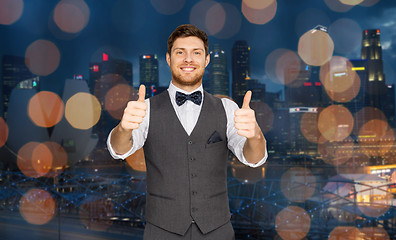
(134, 112)
(245, 119)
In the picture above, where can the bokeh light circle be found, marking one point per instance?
(221, 20)
(288, 68)
(215, 19)
(232, 23)
(259, 16)
(277, 62)
(168, 7)
(59, 161)
(309, 127)
(42, 159)
(366, 115)
(337, 6)
(351, 2)
(37, 206)
(83, 110)
(258, 4)
(137, 161)
(298, 184)
(35, 159)
(95, 213)
(10, 11)
(71, 16)
(3, 132)
(335, 123)
(117, 98)
(315, 47)
(42, 57)
(342, 232)
(292, 223)
(340, 81)
(374, 233)
(336, 152)
(346, 34)
(376, 138)
(45, 109)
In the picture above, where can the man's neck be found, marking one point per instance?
(187, 88)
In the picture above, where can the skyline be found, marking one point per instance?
(117, 34)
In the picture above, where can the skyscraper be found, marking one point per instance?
(103, 76)
(148, 73)
(377, 93)
(15, 74)
(240, 69)
(372, 52)
(219, 78)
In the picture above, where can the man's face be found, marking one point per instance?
(187, 62)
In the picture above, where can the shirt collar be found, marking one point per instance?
(173, 89)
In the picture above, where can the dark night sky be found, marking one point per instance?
(127, 28)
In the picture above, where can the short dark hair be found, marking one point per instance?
(188, 30)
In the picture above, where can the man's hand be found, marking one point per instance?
(121, 137)
(245, 119)
(245, 122)
(134, 112)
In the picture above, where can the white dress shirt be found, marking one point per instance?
(188, 114)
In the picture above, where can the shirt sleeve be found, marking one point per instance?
(139, 136)
(235, 141)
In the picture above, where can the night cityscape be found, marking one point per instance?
(323, 93)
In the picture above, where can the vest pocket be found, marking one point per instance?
(218, 194)
(160, 196)
(216, 144)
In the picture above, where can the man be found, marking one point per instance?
(185, 133)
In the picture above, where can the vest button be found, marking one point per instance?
(190, 142)
(194, 209)
(194, 193)
(192, 158)
(193, 175)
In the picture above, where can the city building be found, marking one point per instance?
(240, 70)
(148, 73)
(219, 79)
(15, 74)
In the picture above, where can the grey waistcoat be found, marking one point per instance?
(186, 176)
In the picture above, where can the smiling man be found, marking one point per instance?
(186, 133)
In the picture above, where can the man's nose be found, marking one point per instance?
(188, 58)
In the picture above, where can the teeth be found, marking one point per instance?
(188, 69)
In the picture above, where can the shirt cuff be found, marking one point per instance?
(114, 154)
(253, 165)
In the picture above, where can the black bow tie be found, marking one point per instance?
(195, 97)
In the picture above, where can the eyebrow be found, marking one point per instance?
(194, 49)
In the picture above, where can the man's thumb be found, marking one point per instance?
(142, 93)
(246, 100)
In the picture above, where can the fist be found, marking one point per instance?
(245, 119)
(134, 112)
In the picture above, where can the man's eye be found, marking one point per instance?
(197, 53)
(179, 52)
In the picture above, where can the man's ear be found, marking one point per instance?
(207, 60)
(168, 58)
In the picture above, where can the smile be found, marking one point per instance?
(187, 69)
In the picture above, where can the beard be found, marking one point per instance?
(189, 81)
